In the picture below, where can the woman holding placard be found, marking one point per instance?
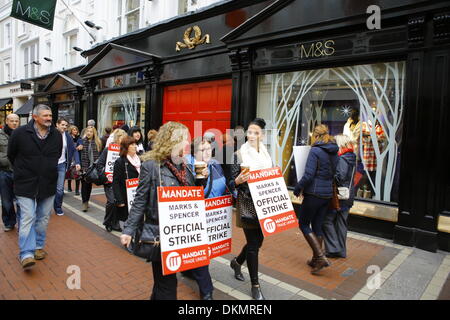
(317, 188)
(214, 183)
(126, 167)
(163, 166)
(110, 221)
(251, 156)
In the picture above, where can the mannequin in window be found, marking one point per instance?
(352, 127)
(369, 156)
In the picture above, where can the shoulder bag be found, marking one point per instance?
(344, 192)
(145, 242)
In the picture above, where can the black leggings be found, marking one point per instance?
(164, 287)
(250, 252)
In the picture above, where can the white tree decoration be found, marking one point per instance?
(389, 113)
(285, 115)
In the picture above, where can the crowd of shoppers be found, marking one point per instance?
(36, 158)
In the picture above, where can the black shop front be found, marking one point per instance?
(298, 64)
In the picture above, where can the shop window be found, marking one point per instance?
(67, 111)
(117, 109)
(294, 103)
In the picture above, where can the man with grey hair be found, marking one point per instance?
(6, 174)
(91, 123)
(34, 150)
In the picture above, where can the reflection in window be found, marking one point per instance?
(364, 102)
(118, 109)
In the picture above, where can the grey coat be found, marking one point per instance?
(146, 199)
(5, 165)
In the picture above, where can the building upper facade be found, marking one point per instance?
(28, 51)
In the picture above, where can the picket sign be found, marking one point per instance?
(182, 225)
(111, 157)
(219, 212)
(131, 185)
(272, 201)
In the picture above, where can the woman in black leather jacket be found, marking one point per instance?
(159, 167)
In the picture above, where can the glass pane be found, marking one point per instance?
(133, 21)
(117, 109)
(132, 4)
(365, 102)
(119, 7)
(67, 111)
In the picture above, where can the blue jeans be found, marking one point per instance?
(7, 194)
(34, 217)
(60, 187)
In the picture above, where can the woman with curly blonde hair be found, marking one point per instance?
(163, 166)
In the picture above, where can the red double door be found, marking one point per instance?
(208, 102)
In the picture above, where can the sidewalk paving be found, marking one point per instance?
(109, 272)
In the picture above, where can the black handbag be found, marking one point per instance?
(145, 242)
(95, 174)
(246, 209)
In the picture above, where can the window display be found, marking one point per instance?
(365, 102)
(117, 109)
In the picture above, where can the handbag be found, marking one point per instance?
(334, 202)
(95, 174)
(145, 242)
(344, 192)
(246, 209)
(72, 173)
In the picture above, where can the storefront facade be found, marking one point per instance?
(13, 97)
(298, 64)
(63, 92)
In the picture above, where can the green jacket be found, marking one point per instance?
(5, 165)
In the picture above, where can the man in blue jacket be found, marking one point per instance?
(68, 154)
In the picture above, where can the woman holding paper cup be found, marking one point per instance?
(317, 188)
(251, 156)
(110, 221)
(210, 171)
(163, 166)
(126, 167)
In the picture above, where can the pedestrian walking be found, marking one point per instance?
(136, 133)
(214, 186)
(91, 123)
(90, 151)
(75, 135)
(163, 166)
(335, 221)
(126, 167)
(251, 156)
(34, 151)
(68, 155)
(105, 137)
(9, 216)
(110, 220)
(317, 188)
(151, 135)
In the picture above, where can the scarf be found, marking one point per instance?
(7, 130)
(179, 174)
(255, 160)
(345, 150)
(135, 161)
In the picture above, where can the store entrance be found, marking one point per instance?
(208, 102)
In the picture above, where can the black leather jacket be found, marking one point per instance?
(146, 199)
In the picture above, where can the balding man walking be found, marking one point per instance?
(6, 175)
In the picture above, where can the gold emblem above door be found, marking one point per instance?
(191, 43)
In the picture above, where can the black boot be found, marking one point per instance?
(313, 260)
(256, 293)
(237, 270)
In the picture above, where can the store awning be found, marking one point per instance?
(4, 102)
(26, 108)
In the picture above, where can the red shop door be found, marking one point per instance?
(208, 102)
